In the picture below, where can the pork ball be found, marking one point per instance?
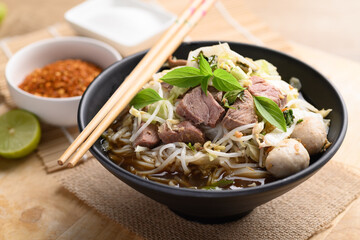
(287, 158)
(312, 134)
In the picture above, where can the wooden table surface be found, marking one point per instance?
(33, 205)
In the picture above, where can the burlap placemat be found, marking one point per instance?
(297, 214)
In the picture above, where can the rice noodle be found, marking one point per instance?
(124, 149)
(147, 159)
(164, 164)
(166, 146)
(119, 134)
(145, 164)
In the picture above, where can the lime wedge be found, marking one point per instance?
(20, 133)
(3, 11)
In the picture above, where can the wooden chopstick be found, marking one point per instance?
(129, 87)
(132, 76)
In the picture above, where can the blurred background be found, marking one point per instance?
(329, 25)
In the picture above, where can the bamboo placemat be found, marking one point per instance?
(227, 21)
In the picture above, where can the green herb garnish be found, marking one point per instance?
(145, 97)
(289, 117)
(206, 70)
(191, 147)
(186, 77)
(224, 81)
(230, 97)
(212, 60)
(219, 184)
(299, 121)
(270, 111)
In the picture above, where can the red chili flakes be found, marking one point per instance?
(64, 78)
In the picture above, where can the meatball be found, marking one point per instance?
(311, 133)
(287, 158)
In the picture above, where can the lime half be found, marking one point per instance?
(20, 133)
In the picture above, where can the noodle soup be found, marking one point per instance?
(223, 121)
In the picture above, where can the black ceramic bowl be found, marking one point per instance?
(207, 204)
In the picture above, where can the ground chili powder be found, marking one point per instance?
(64, 78)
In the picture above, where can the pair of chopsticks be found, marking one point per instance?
(141, 74)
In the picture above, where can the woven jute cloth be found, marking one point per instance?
(298, 214)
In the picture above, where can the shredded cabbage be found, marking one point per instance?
(266, 70)
(166, 109)
(175, 92)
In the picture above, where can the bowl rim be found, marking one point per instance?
(52, 41)
(186, 192)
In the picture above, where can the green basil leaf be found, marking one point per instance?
(289, 117)
(224, 81)
(204, 66)
(204, 84)
(231, 96)
(269, 110)
(184, 77)
(145, 97)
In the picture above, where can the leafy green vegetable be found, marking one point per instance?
(238, 73)
(163, 110)
(206, 71)
(231, 96)
(204, 66)
(299, 121)
(219, 184)
(270, 111)
(235, 70)
(289, 117)
(204, 84)
(212, 60)
(187, 77)
(184, 77)
(265, 67)
(175, 92)
(224, 81)
(145, 97)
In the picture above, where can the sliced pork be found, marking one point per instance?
(148, 137)
(244, 112)
(200, 108)
(260, 87)
(183, 132)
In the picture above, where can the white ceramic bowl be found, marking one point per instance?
(55, 111)
(128, 25)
